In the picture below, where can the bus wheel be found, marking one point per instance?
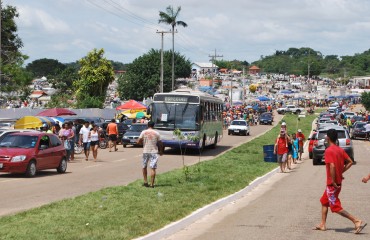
(216, 140)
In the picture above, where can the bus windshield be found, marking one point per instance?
(183, 116)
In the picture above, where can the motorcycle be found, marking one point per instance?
(310, 111)
(103, 141)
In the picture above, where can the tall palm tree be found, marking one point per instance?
(170, 17)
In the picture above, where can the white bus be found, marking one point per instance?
(194, 113)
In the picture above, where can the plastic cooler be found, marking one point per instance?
(268, 153)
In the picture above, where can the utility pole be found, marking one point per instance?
(213, 59)
(173, 58)
(161, 81)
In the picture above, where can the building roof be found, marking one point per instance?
(37, 94)
(205, 65)
(254, 67)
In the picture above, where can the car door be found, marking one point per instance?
(45, 152)
(58, 151)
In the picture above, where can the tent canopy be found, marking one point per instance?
(131, 105)
(54, 112)
(33, 122)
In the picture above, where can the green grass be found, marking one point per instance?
(130, 211)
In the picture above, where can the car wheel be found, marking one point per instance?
(228, 133)
(62, 168)
(310, 155)
(248, 133)
(201, 148)
(124, 145)
(31, 169)
(315, 161)
(103, 144)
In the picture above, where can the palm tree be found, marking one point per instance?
(170, 17)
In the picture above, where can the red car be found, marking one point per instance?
(312, 141)
(29, 152)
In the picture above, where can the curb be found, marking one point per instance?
(174, 227)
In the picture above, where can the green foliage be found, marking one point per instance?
(143, 74)
(60, 100)
(298, 61)
(235, 64)
(95, 74)
(170, 17)
(45, 67)
(365, 100)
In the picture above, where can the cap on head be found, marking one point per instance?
(299, 130)
(283, 124)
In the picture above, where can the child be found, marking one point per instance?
(295, 148)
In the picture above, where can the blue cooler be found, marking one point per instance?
(268, 153)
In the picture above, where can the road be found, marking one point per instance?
(287, 206)
(19, 193)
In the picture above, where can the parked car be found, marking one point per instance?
(133, 133)
(266, 118)
(358, 130)
(239, 127)
(29, 152)
(122, 128)
(290, 109)
(344, 142)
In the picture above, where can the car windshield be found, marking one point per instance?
(360, 125)
(239, 123)
(322, 134)
(138, 128)
(18, 141)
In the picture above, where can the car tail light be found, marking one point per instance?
(315, 143)
(348, 142)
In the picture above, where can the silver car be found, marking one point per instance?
(344, 141)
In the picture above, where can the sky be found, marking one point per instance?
(66, 30)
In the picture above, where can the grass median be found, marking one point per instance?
(130, 211)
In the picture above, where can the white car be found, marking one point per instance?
(240, 127)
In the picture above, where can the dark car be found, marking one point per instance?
(122, 128)
(266, 118)
(29, 152)
(358, 130)
(133, 133)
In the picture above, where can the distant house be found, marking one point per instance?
(362, 82)
(37, 94)
(254, 70)
(200, 70)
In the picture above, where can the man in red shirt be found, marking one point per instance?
(301, 139)
(281, 149)
(337, 162)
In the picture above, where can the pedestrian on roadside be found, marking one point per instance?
(152, 147)
(301, 139)
(295, 146)
(94, 141)
(281, 149)
(73, 140)
(84, 139)
(365, 179)
(66, 134)
(337, 162)
(290, 152)
(112, 131)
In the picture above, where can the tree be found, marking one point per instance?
(143, 75)
(95, 74)
(45, 67)
(13, 78)
(170, 17)
(365, 100)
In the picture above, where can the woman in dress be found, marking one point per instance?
(66, 134)
(94, 137)
(295, 148)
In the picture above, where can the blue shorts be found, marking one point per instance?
(152, 158)
(86, 146)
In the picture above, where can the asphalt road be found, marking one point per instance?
(19, 193)
(287, 206)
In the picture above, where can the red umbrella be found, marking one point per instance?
(54, 112)
(132, 104)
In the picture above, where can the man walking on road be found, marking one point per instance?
(301, 139)
(337, 162)
(281, 149)
(112, 131)
(84, 139)
(151, 141)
